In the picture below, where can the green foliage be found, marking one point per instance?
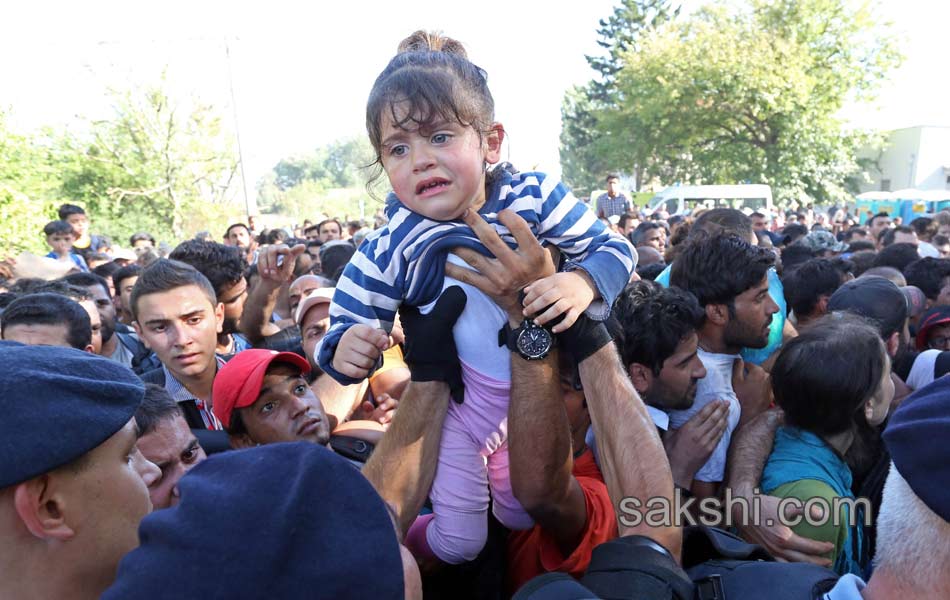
(724, 97)
(331, 180)
(155, 165)
(620, 33)
(26, 193)
(585, 147)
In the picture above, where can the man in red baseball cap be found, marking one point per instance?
(262, 397)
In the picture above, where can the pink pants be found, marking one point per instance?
(473, 458)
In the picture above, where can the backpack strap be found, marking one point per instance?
(702, 543)
(636, 567)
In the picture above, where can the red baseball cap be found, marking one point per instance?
(238, 383)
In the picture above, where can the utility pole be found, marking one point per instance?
(237, 129)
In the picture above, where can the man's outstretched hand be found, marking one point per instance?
(503, 277)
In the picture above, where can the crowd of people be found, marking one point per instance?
(495, 391)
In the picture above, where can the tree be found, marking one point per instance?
(330, 180)
(154, 165)
(27, 187)
(583, 164)
(752, 96)
(620, 33)
(584, 160)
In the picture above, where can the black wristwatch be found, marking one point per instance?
(531, 341)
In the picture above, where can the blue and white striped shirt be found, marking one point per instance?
(405, 261)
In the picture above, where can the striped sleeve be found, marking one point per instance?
(369, 293)
(590, 245)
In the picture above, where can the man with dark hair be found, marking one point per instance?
(897, 256)
(329, 230)
(861, 246)
(165, 440)
(85, 301)
(654, 329)
(809, 286)
(85, 243)
(932, 276)
(857, 234)
(312, 233)
(612, 202)
(902, 234)
(649, 233)
(47, 319)
(729, 278)
(239, 236)
(97, 259)
(628, 222)
(725, 221)
(261, 397)
(879, 223)
(793, 232)
(224, 267)
(732, 222)
(141, 241)
(313, 249)
(106, 271)
(942, 244)
(123, 281)
(333, 258)
(178, 316)
(73, 489)
(123, 347)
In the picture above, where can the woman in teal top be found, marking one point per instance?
(832, 381)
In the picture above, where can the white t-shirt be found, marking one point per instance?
(716, 385)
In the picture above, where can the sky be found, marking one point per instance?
(301, 71)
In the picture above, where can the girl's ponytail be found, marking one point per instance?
(431, 41)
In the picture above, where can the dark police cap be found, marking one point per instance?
(278, 521)
(874, 298)
(915, 437)
(57, 404)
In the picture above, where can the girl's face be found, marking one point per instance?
(877, 405)
(439, 171)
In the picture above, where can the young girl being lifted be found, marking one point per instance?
(430, 118)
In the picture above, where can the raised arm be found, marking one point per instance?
(539, 436)
(748, 452)
(633, 461)
(255, 321)
(403, 465)
(632, 458)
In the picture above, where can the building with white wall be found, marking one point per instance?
(913, 157)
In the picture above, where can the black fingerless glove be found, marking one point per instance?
(585, 337)
(430, 347)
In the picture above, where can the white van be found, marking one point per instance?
(684, 199)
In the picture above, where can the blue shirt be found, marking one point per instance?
(77, 260)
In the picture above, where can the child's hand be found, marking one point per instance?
(567, 294)
(359, 350)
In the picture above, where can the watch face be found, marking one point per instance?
(534, 342)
